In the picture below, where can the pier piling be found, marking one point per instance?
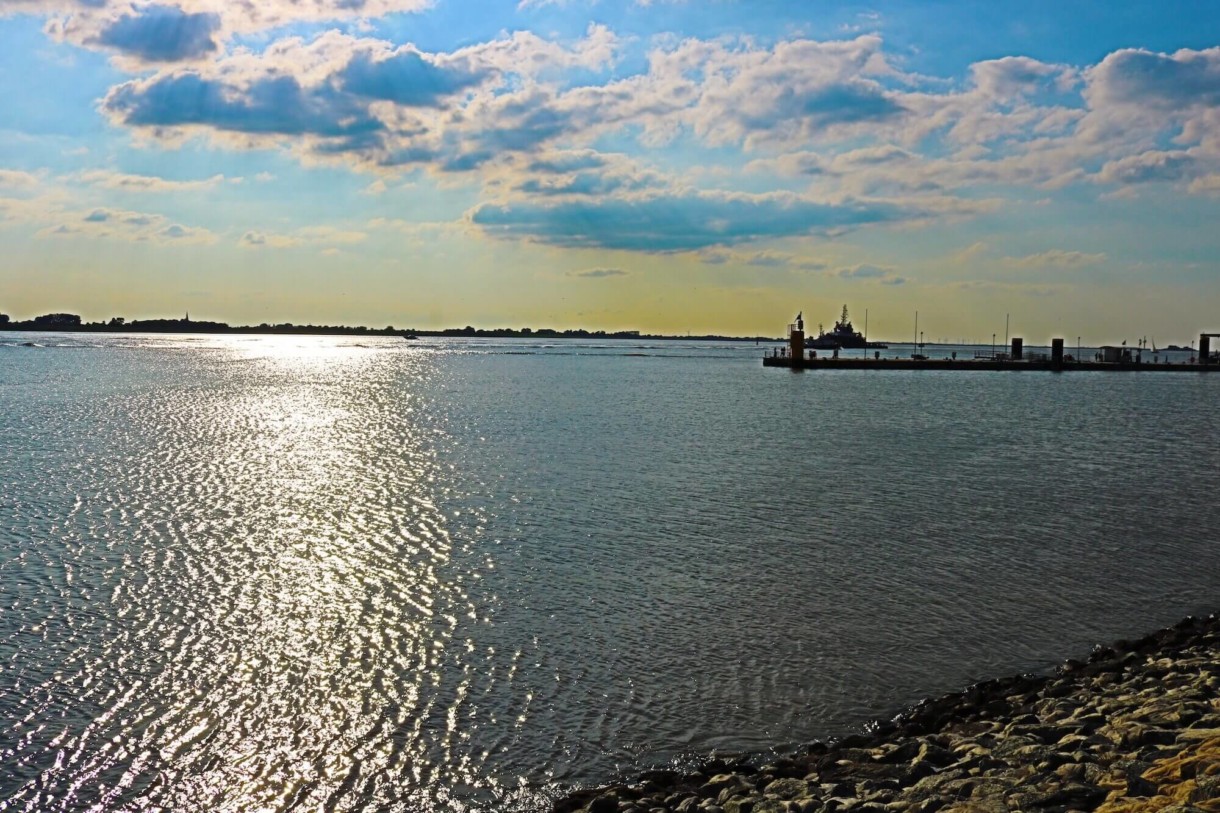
(796, 342)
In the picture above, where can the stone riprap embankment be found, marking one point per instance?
(1135, 728)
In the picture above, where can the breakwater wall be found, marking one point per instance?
(1136, 727)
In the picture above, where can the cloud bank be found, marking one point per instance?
(556, 136)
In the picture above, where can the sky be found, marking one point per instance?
(703, 166)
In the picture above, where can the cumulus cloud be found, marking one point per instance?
(836, 112)
(1206, 185)
(404, 77)
(1011, 77)
(161, 34)
(791, 93)
(188, 29)
(277, 105)
(344, 98)
(620, 180)
(1146, 167)
(857, 140)
(1165, 82)
(567, 161)
(668, 223)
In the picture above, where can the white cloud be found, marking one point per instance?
(16, 179)
(187, 30)
(881, 274)
(148, 183)
(599, 273)
(121, 224)
(1055, 258)
(310, 236)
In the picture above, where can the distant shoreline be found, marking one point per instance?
(183, 326)
(288, 329)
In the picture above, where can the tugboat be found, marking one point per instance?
(844, 336)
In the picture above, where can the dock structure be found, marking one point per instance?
(795, 356)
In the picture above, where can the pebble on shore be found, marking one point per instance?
(1135, 728)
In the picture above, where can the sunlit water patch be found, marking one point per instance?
(252, 573)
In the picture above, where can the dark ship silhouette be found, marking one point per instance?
(844, 336)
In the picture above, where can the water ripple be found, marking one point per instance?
(242, 573)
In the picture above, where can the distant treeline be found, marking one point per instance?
(70, 322)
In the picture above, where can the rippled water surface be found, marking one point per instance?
(271, 573)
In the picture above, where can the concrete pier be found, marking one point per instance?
(1054, 364)
(1108, 359)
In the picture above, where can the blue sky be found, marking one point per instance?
(711, 166)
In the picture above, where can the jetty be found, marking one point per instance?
(798, 355)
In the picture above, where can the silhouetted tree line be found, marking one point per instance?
(540, 333)
(70, 322)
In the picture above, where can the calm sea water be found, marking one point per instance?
(257, 573)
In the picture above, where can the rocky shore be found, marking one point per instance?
(1135, 728)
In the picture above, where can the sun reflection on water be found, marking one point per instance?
(283, 602)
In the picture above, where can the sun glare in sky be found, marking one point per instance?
(708, 165)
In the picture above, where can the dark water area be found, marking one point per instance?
(296, 573)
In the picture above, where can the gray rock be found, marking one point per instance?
(934, 755)
(734, 791)
(1086, 724)
(1137, 785)
(1208, 789)
(739, 806)
(770, 806)
(1073, 797)
(718, 782)
(788, 789)
(606, 803)
(1071, 772)
(927, 806)
(903, 751)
